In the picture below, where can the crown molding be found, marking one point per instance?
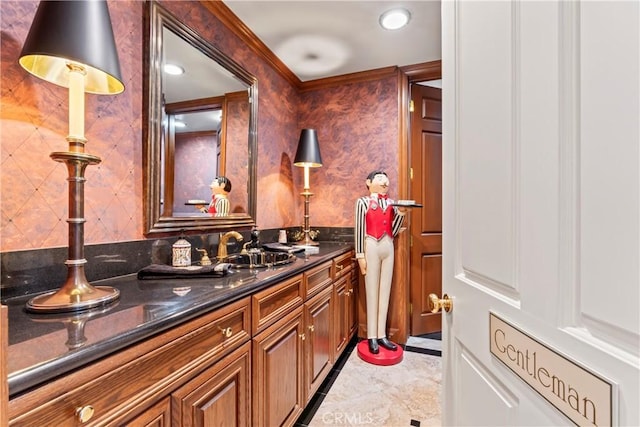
(423, 71)
(240, 29)
(359, 77)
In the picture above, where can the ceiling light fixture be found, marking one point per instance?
(313, 55)
(395, 19)
(174, 70)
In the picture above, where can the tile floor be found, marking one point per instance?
(357, 393)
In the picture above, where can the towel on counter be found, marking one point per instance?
(160, 271)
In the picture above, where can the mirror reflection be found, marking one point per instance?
(201, 126)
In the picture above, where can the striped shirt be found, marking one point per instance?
(220, 204)
(362, 206)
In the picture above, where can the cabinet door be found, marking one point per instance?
(159, 415)
(319, 332)
(278, 387)
(352, 302)
(218, 396)
(4, 344)
(341, 315)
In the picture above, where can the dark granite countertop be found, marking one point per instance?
(44, 346)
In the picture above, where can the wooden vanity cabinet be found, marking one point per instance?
(278, 353)
(293, 355)
(341, 301)
(127, 387)
(158, 415)
(278, 372)
(218, 396)
(4, 345)
(319, 326)
(352, 303)
(319, 354)
(345, 301)
(254, 362)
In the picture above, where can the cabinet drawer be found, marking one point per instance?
(343, 264)
(317, 279)
(275, 302)
(120, 385)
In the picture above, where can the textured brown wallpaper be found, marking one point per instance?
(237, 152)
(356, 123)
(34, 120)
(357, 128)
(195, 158)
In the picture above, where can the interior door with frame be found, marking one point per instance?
(541, 212)
(426, 222)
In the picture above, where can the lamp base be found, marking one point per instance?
(61, 301)
(306, 241)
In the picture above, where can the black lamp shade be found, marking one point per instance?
(77, 31)
(308, 153)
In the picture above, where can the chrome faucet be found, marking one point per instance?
(224, 238)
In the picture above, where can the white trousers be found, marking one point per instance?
(379, 257)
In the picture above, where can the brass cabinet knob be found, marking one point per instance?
(311, 328)
(438, 304)
(84, 413)
(302, 337)
(227, 332)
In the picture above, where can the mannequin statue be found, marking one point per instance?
(376, 225)
(220, 188)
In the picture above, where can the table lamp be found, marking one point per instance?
(307, 156)
(71, 44)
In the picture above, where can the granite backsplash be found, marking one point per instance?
(34, 271)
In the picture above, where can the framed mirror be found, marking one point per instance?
(200, 125)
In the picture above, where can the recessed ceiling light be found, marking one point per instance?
(395, 19)
(174, 70)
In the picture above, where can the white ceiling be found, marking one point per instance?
(203, 77)
(317, 39)
(314, 39)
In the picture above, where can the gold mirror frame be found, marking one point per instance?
(157, 219)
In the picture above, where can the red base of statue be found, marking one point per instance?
(384, 357)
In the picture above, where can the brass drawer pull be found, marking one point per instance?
(302, 337)
(227, 332)
(311, 328)
(84, 413)
(339, 267)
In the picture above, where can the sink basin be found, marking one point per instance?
(259, 259)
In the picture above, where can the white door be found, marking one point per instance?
(541, 212)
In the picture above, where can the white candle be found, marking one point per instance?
(306, 177)
(76, 102)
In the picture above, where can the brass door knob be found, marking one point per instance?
(438, 304)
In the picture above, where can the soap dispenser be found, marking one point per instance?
(205, 260)
(181, 253)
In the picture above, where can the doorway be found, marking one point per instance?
(425, 162)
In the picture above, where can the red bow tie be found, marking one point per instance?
(382, 197)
